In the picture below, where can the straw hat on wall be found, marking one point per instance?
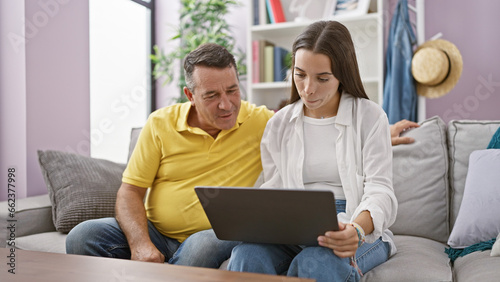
(436, 67)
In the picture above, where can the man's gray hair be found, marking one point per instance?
(209, 55)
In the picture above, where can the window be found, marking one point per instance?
(121, 88)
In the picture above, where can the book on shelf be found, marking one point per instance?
(260, 15)
(269, 63)
(255, 62)
(275, 11)
(280, 67)
(259, 60)
(255, 8)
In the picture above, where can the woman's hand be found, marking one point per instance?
(344, 242)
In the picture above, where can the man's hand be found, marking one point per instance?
(399, 127)
(344, 242)
(147, 252)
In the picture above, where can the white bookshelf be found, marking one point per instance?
(367, 34)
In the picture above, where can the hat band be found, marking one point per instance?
(447, 74)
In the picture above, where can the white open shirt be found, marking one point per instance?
(364, 157)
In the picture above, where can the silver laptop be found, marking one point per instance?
(262, 215)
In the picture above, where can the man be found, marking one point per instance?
(214, 140)
(398, 128)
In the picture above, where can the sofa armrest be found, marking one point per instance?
(33, 215)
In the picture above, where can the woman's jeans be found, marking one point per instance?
(104, 237)
(316, 262)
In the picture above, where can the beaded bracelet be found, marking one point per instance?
(361, 233)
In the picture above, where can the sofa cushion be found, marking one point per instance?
(477, 266)
(465, 136)
(417, 259)
(80, 188)
(134, 136)
(478, 219)
(420, 180)
(33, 215)
(52, 242)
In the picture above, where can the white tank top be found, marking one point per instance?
(320, 158)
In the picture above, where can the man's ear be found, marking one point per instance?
(188, 94)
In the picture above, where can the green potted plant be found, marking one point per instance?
(200, 22)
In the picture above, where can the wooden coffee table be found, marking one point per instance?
(40, 266)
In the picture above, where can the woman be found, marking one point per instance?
(330, 136)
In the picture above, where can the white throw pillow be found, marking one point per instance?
(478, 219)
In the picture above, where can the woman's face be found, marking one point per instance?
(315, 83)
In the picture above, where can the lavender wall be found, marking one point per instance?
(57, 83)
(49, 109)
(472, 27)
(12, 97)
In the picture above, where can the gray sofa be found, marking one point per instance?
(429, 182)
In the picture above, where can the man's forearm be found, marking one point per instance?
(131, 214)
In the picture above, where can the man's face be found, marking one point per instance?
(216, 99)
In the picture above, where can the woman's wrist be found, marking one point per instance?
(360, 232)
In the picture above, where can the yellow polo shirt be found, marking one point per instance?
(172, 158)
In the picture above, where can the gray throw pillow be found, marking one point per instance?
(80, 188)
(420, 180)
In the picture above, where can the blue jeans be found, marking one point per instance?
(104, 237)
(315, 262)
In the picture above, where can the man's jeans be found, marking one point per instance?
(317, 262)
(104, 237)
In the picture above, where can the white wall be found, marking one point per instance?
(167, 18)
